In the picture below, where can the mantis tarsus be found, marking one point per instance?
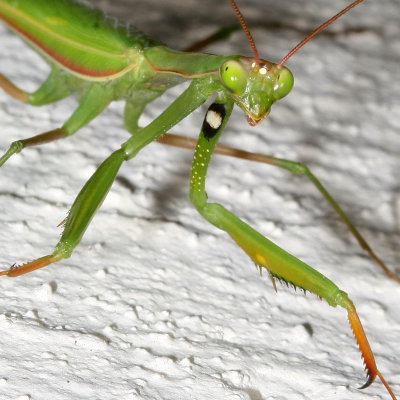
(109, 169)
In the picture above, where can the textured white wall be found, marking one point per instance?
(157, 304)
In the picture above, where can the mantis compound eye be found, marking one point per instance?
(284, 83)
(234, 76)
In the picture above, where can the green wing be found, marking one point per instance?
(79, 39)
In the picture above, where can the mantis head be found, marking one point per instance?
(256, 83)
(255, 86)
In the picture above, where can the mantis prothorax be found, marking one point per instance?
(116, 63)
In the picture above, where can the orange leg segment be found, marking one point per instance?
(366, 352)
(41, 262)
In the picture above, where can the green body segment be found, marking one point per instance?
(190, 65)
(86, 43)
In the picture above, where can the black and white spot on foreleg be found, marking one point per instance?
(213, 120)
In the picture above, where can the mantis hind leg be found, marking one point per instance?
(93, 102)
(53, 89)
(13, 90)
(295, 168)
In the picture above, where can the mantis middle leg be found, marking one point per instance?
(92, 103)
(96, 188)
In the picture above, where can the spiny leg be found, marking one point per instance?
(95, 190)
(293, 167)
(91, 104)
(94, 101)
(262, 251)
(362, 341)
(84, 207)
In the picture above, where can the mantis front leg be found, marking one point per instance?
(96, 188)
(263, 252)
(295, 168)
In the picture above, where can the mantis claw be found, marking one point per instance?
(369, 381)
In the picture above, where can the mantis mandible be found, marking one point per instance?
(116, 65)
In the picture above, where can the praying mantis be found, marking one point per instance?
(255, 257)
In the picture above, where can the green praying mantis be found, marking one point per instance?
(103, 63)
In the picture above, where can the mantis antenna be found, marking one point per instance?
(246, 31)
(300, 44)
(317, 30)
